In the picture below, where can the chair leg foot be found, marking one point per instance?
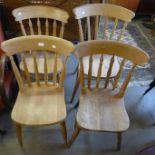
(75, 133)
(19, 134)
(119, 140)
(64, 132)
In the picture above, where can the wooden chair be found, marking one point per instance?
(93, 17)
(40, 102)
(101, 107)
(41, 20)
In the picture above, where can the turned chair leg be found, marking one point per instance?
(119, 140)
(75, 133)
(64, 132)
(19, 134)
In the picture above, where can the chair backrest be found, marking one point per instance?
(92, 12)
(101, 47)
(38, 44)
(43, 19)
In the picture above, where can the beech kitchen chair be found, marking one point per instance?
(111, 21)
(40, 102)
(101, 106)
(41, 20)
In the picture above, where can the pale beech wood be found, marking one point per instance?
(75, 133)
(39, 109)
(108, 10)
(134, 54)
(31, 27)
(108, 13)
(105, 66)
(64, 131)
(45, 68)
(39, 26)
(41, 43)
(54, 28)
(39, 12)
(122, 30)
(47, 26)
(35, 68)
(96, 27)
(62, 30)
(113, 29)
(80, 30)
(99, 71)
(19, 134)
(90, 71)
(109, 72)
(55, 69)
(17, 74)
(104, 27)
(43, 102)
(102, 108)
(26, 71)
(126, 81)
(22, 28)
(89, 28)
(116, 79)
(40, 61)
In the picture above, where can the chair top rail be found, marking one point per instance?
(37, 42)
(40, 11)
(134, 54)
(108, 10)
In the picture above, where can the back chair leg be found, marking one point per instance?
(75, 133)
(119, 140)
(64, 132)
(19, 134)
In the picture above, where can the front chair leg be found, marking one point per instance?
(19, 134)
(64, 131)
(75, 133)
(119, 140)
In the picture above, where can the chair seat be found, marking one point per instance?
(105, 66)
(39, 109)
(40, 62)
(100, 110)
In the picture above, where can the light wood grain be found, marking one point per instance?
(25, 68)
(35, 14)
(39, 102)
(35, 66)
(40, 61)
(39, 26)
(80, 30)
(41, 43)
(54, 28)
(108, 10)
(39, 109)
(101, 108)
(109, 72)
(31, 27)
(22, 28)
(107, 13)
(40, 11)
(134, 54)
